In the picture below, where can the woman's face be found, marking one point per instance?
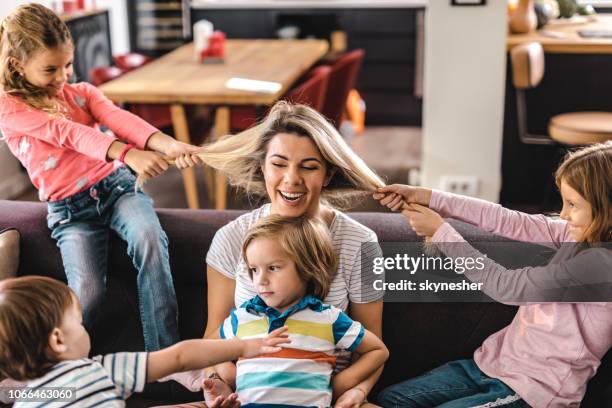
(294, 173)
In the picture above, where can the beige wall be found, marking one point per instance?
(464, 79)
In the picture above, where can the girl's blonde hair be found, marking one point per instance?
(27, 30)
(308, 244)
(589, 172)
(30, 308)
(241, 156)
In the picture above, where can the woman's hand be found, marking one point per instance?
(352, 398)
(424, 221)
(395, 195)
(218, 394)
(145, 163)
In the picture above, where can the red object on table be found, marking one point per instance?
(216, 46)
(70, 6)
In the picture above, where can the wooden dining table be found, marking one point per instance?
(562, 36)
(178, 79)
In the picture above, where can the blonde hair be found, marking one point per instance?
(30, 308)
(308, 244)
(27, 30)
(589, 172)
(241, 156)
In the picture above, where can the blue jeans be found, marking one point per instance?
(81, 225)
(458, 384)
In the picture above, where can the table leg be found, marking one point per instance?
(181, 132)
(222, 128)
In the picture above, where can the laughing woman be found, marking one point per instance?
(302, 165)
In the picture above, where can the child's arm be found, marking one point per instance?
(573, 277)
(134, 129)
(17, 118)
(145, 163)
(372, 355)
(486, 215)
(197, 354)
(183, 153)
(226, 370)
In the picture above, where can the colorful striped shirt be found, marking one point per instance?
(300, 374)
(101, 381)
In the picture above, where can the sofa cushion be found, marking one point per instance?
(420, 336)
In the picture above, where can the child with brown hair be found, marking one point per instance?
(52, 127)
(43, 341)
(291, 261)
(549, 352)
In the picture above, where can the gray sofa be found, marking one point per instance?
(420, 336)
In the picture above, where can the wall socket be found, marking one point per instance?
(460, 184)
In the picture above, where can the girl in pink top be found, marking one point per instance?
(546, 356)
(51, 126)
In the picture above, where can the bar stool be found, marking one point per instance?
(568, 129)
(564, 130)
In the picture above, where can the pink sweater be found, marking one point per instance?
(550, 350)
(66, 155)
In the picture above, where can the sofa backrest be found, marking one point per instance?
(420, 336)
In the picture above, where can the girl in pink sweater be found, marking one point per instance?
(52, 127)
(546, 356)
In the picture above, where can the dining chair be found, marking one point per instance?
(131, 60)
(342, 78)
(157, 115)
(100, 75)
(565, 129)
(311, 90)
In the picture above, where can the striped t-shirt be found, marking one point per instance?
(352, 241)
(300, 374)
(102, 381)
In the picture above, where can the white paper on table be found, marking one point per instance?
(254, 85)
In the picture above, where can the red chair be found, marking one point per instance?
(131, 60)
(100, 75)
(342, 79)
(157, 115)
(311, 91)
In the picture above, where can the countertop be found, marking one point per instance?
(284, 4)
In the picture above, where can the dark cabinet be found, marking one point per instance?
(157, 26)
(388, 36)
(92, 43)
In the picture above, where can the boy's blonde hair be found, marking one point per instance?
(27, 30)
(308, 244)
(30, 308)
(242, 156)
(589, 172)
